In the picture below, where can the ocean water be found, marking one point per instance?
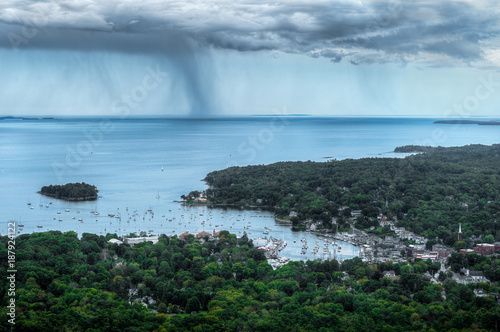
(124, 159)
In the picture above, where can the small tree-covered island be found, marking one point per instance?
(429, 193)
(71, 191)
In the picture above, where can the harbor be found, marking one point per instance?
(279, 242)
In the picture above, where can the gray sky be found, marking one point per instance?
(377, 58)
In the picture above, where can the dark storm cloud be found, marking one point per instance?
(366, 31)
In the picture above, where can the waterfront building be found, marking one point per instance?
(484, 249)
(132, 241)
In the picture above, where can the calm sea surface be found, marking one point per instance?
(124, 159)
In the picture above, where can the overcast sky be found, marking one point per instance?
(204, 58)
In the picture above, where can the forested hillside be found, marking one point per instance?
(429, 193)
(67, 284)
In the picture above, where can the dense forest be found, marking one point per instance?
(413, 148)
(71, 191)
(429, 193)
(68, 284)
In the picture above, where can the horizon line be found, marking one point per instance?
(215, 117)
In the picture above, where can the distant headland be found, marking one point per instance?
(412, 148)
(71, 191)
(477, 122)
(22, 118)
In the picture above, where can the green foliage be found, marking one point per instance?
(230, 287)
(429, 193)
(413, 148)
(71, 191)
(489, 239)
(490, 266)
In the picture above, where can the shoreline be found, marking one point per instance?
(218, 205)
(70, 199)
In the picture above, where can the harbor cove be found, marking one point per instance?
(143, 166)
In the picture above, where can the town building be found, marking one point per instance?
(132, 241)
(203, 234)
(460, 235)
(115, 241)
(484, 249)
(433, 256)
(183, 235)
(443, 251)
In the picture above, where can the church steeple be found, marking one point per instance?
(459, 235)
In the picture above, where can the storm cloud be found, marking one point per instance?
(434, 32)
(92, 52)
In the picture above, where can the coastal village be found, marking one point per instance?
(404, 245)
(399, 246)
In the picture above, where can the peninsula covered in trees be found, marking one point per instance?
(71, 191)
(477, 122)
(412, 148)
(428, 193)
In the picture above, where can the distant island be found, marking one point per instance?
(71, 191)
(483, 123)
(413, 148)
(22, 118)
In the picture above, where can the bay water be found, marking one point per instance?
(142, 164)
